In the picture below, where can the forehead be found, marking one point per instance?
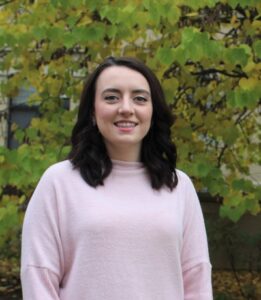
(121, 77)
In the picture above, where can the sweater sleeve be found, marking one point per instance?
(42, 255)
(196, 266)
(40, 284)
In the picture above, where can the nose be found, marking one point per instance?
(126, 106)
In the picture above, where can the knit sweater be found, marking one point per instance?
(120, 241)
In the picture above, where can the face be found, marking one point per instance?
(122, 109)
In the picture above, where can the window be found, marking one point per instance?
(20, 113)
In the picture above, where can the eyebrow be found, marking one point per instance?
(136, 91)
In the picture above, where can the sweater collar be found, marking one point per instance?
(127, 166)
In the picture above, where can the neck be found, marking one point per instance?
(125, 153)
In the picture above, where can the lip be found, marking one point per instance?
(125, 124)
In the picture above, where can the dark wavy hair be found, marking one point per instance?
(158, 152)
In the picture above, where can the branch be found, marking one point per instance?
(243, 117)
(238, 120)
(218, 103)
(211, 71)
(4, 52)
(245, 135)
(6, 2)
(224, 148)
(182, 92)
(241, 169)
(229, 245)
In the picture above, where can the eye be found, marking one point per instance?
(140, 99)
(111, 98)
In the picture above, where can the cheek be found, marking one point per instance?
(149, 114)
(102, 113)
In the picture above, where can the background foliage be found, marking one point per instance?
(206, 53)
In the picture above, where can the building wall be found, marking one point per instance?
(3, 119)
(243, 253)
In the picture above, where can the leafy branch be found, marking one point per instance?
(221, 154)
(235, 74)
(3, 3)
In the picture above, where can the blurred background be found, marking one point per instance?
(207, 55)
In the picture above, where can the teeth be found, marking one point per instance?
(125, 124)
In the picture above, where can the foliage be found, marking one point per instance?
(242, 248)
(236, 249)
(226, 287)
(206, 54)
(10, 287)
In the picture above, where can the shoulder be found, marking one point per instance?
(185, 183)
(58, 171)
(56, 177)
(59, 168)
(183, 178)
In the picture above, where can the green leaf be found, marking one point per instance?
(9, 39)
(70, 39)
(165, 55)
(243, 3)
(230, 135)
(237, 56)
(180, 54)
(154, 12)
(170, 87)
(172, 13)
(19, 135)
(202, 169)
(55, 34)
(32, 133)
(243, 98)
(71, 20)
(242, 185)
(232, 213)
(257, 48)
(110, 13)
(195, 4)
(196, 46)
(39, 32)
(90, 33)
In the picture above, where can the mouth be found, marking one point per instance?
(125, 124)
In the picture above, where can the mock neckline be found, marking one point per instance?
(127, 166)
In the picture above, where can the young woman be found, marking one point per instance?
(117, 220)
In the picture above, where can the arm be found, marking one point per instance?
(42, 256)
(39, 283)
(195, 258)
(197, 282)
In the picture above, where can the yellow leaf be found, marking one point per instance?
(22, 199)
(171, 84)
(21, 28)
(14, 127)
(234, 20)
(192, 14)
(256, 24)
(250, 66)
(85, 20)
(35, 122)
(212, 85)
(248, 84)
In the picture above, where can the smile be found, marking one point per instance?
(125, 124)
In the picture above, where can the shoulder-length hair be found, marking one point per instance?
(158, 152)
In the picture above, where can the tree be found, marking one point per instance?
(206, 54)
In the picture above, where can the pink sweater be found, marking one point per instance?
(120, 241)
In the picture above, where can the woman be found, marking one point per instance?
(117, 220)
